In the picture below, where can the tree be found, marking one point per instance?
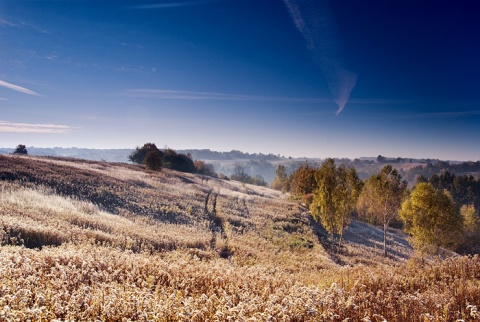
(420, 178)
(139, 154)
(204, 168)
(381, 159)
(347, 191)
(20, 149)
(465, 189)
(432, 218)
(381, 199)
(258, 180)
(281, 180)
(335, 197)
(239, 174)
(153, 160)
(471, 229)
(178, 161)
(302, 180)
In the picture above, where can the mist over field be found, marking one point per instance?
(265, 164)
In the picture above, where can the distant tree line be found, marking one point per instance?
(206, 154)
(430, 169)
(464, 189)
(441, 212)
(156, 159)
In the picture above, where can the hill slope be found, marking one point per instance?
(170, 210)
(113, 241)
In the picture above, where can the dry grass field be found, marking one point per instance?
(96, 241)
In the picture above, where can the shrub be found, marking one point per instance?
(205, 169)
(139, 154)
(153, 161)
(178, 161)
(20, 149)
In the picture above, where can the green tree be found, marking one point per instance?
(138, 155)
(432, 218)
(20, 149)
(381, 199)
(335, 197)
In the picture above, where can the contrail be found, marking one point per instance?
(17, 88)
(313, 21)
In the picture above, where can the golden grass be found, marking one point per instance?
(36, 219)
(88, 282)
(64, 257)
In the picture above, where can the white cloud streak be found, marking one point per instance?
(18, 88)
(7, 23)
(11, 127)
(191, 95)
(313, 21)
(21, 24)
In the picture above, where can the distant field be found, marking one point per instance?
(83, 240)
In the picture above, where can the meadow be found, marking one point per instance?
(96, 241)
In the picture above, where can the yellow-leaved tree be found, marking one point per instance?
(471, 230)
(432, 219)
(335, 197)
(381, 199)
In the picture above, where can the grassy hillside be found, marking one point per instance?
(84, 240)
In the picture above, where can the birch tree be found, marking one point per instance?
(432, 218)
(335, 197)
(381, 199)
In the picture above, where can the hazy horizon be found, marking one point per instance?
(307, 78)
(251, 153)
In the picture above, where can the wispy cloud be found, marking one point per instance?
(8, 23)
(313, 20)
(21, 24)
(18, 88)
(11, 127)
(129, 69)
(192, 95)
(170, 5)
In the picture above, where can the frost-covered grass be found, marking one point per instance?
(96, 241)
(87, 282)
(36, 218)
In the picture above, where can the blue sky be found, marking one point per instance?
(316, 78)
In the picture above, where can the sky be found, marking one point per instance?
(300, 78)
